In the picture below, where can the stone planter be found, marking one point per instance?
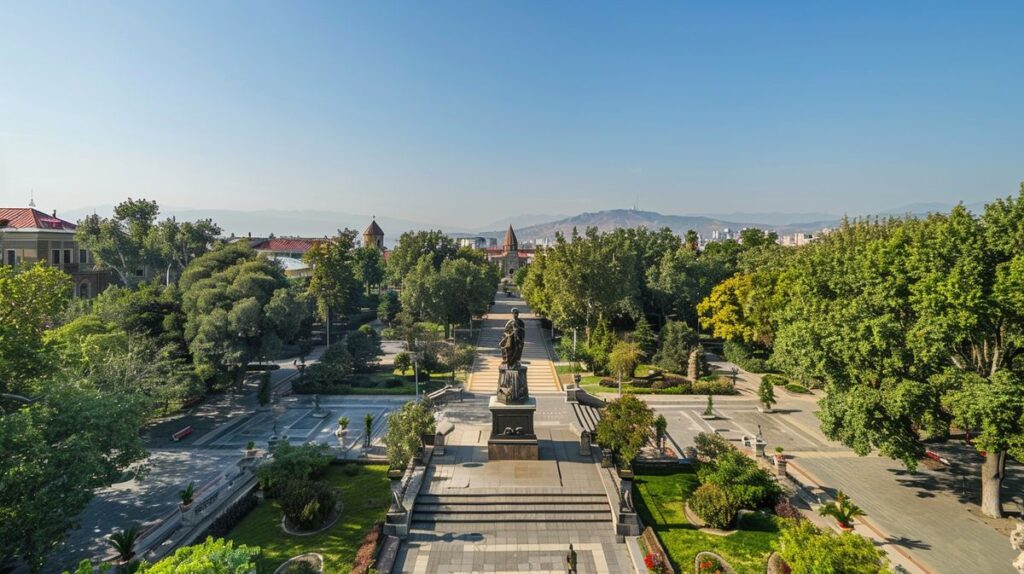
(396, 473)
(313, 559)
(626, 473)
(705, 556)
(708, 417)
(845, 527)
(340, 433)
(764, 409)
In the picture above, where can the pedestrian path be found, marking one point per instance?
(540, 374)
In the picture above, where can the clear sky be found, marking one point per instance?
(449, 111)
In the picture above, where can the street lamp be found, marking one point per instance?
(416, 375)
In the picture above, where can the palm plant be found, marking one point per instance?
(368, 422)
(123, 542)
(343, 422)
(842, 509)
(188, 495)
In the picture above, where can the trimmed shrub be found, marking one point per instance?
(716, 386)
(609, 383)
(642, 383)
(749, 485)
(393, 383)
(290, 463)
(711, 445)
(777, 380)
(796, 388)
(351, 469)
(715, 505)
(307, 504)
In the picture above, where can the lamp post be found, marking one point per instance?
(416, 375)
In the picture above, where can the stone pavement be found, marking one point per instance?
(541, 376)
(512, 516)
(473, 515)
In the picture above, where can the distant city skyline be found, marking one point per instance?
(460, 114)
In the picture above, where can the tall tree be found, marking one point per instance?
(29, 302)
(127, 242)
(412, 246)
(368, 267)
(333, 278)
(180, 243)
(238, 307)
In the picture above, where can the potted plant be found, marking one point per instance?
(250, 449)
(123, 542)
(342, 426)
(843, 510)
(625, 470)
(766, 394)
(778, 454)
(709, 412)
(187, 495)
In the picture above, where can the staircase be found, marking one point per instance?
(586, 416)
(523, 506)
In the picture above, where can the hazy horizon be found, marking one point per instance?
(460, 114)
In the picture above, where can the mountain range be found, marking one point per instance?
(530, 227)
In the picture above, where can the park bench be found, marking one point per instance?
(182, 433)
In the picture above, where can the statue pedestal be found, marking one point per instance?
(520, 442)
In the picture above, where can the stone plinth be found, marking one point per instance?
(512, 435)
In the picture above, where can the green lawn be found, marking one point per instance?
(366, 497)
(660, 499)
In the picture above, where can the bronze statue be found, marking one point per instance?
(513, 340)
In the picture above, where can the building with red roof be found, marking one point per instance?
(29, 236)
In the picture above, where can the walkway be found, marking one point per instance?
(919, 515)
(541, 377)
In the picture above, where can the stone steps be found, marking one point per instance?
(523, 507)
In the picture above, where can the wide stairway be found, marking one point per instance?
(540, 375)
(523, 506)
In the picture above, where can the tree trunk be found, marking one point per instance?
(992, 472)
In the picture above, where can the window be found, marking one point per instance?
(11, 257)
(55, 260)
(67, 257)
(83, 256)
(83, 290)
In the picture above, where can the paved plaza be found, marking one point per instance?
(474, 515)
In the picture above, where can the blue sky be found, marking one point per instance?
(452, 111)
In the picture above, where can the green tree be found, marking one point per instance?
(412, 246)
(333, 279)
(29, 302)
(623, 359)
(766, 393)
(692, 240)
(388, 308)
(179, 243)
(452, 294)
(599, 347)
(128, 243)
(625, 427)
(368, 267)
(238, 307)
(54, 453)
(406, 428)
(364, 347)
(677, 341)
(645, 337)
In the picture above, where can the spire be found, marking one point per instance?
(32, 199)
(511, 243)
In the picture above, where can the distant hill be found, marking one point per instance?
(623, 218)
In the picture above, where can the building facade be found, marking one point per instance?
(29, 236)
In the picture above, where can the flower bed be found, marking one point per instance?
(711, 563)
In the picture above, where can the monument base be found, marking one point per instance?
(512, 435)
